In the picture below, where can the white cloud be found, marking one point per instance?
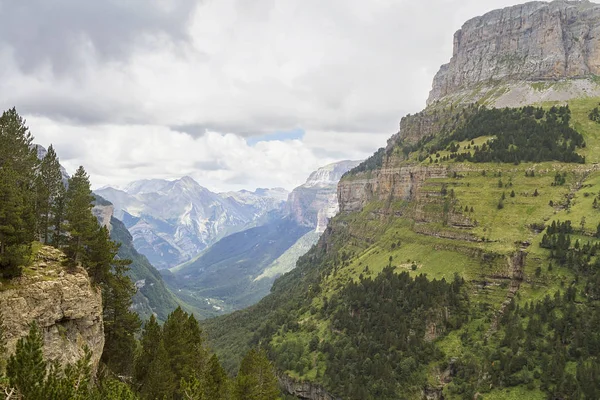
(344, 71)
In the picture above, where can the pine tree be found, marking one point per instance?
(151, 336)
(184, 345)
(26, 369)
(81, 223)
(58, 217)
(160, 381)
(120, 323)
(49, 187)
(18, 163)
(216, 383)
(256, 379)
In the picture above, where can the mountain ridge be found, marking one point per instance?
(173, 221)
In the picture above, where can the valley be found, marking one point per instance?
(460, 261)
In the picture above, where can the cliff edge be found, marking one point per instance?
(532, 42)
(67, 308)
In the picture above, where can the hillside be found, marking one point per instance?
(463, 260)
(152, 295)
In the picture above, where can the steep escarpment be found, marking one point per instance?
(315, 202)
(535, 41)
(65, 305)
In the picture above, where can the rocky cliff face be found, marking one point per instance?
(315, 202)
(398, 183)
(512, 57)
(304, 390)
(63, 303)
(536, 41)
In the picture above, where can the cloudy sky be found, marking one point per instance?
(235, 93)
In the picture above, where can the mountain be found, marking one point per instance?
(314, 202)
(223, 278)
(239, 269)
(524, 51)
(173, 221)
(463, 262)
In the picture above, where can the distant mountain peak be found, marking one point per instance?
(330, 174)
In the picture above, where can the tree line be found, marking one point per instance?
(169, 362)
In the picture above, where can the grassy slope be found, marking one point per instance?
(222, 279)
(375, 238)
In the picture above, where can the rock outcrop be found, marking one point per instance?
(303, 390)
(62, 302)
(512, 57)
(399, 183)
(315, 202)
(535, 41)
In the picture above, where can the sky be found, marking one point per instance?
(237, 94)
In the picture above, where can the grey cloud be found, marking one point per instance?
(217, 165)
(57, 31)
(68, 109)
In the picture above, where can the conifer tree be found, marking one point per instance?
(49, 187)
(120, 323)
(26, 369)
(58, 217)
(18, 163)
(184, 345)
(81, 223)
(151, 336)
(216, 383)
(160, 381)
(256, 379)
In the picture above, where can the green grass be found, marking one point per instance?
(516, 393)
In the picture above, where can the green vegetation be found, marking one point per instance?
(372, 163)
(321, 322)
(527, 134)
(385, 321)
(595, 115)
(169, 363)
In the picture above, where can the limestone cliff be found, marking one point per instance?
(535, 41)
(516, 56)
(315, 202)
(63, 303)
(303, 390)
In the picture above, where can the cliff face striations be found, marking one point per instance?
(315, 202)
(535, 41)
(63, 303)
(521, 55)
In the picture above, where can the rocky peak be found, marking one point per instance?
(535, 41)
(330, 174)
(315, 202)
(65, 305)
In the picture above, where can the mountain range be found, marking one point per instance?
(173, 221)
(215, 269)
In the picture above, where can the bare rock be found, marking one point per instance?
(532, 42)
(66, 307)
